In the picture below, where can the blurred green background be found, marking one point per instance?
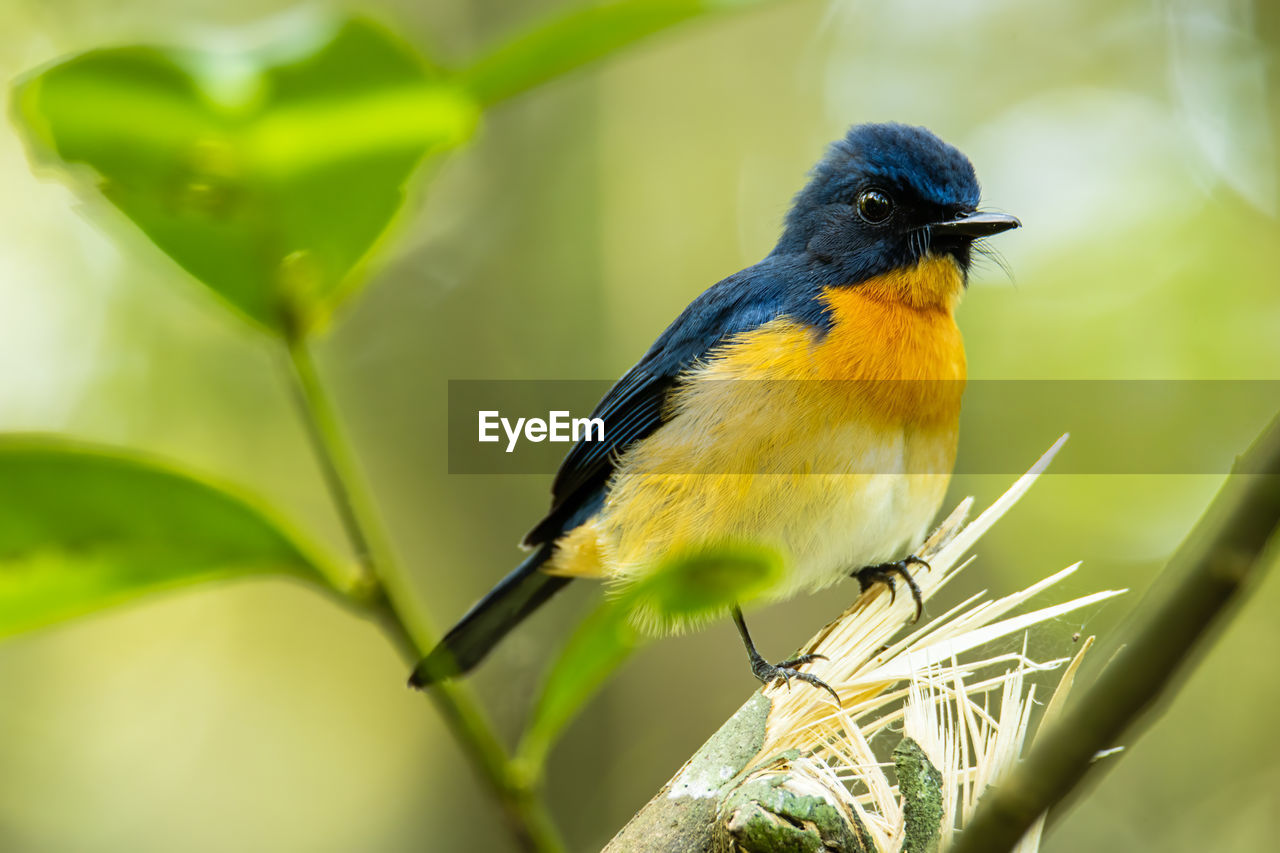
(1135, 140)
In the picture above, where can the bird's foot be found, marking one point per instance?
(884, 573)
(768, 673)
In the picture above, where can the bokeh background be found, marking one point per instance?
(1136, 140)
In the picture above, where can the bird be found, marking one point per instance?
(808, 403)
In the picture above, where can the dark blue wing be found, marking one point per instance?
(637, 404)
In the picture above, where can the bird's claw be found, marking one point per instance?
(801, 660)
(768, 673)
(884, 574)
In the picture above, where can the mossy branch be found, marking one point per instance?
(1223, 555)
(735, 796)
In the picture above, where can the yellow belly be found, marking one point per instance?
(833, 449)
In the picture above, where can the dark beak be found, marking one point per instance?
(974, 225)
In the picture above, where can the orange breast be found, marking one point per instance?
(893, 352)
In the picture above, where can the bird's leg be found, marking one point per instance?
(883, 573)
(786, 670)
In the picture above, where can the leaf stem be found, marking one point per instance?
(383, 592)
(1221, 559)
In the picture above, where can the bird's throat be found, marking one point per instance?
(934, 284)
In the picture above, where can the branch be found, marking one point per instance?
(1223, 553)
(383, 592)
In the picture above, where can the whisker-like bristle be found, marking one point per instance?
(987, 252)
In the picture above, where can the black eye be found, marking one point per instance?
(874, 206)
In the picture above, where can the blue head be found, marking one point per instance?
(885, 197)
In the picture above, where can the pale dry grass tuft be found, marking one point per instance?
(924, 682)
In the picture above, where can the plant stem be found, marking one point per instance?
(1229, 547)
(384, 592)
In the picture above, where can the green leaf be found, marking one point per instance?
(692, 586)
(598, 647)
(268, 175)
(82, 528)
(576, 38)
(702, 584)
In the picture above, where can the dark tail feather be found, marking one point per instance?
(506, 606)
